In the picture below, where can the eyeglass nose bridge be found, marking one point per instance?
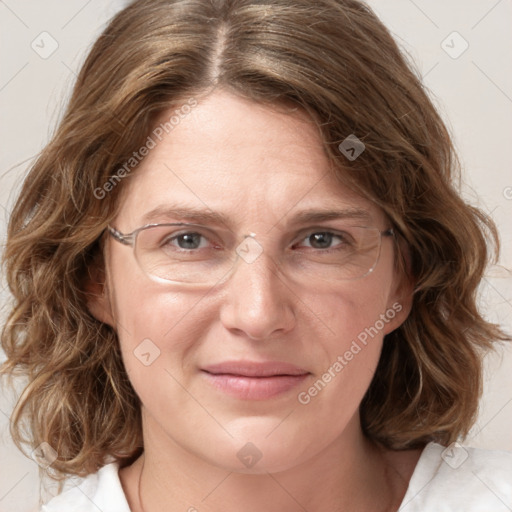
(246, 252)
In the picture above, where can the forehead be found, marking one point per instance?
(240, 159)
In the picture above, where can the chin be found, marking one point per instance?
(258, 447)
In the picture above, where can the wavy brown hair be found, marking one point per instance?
(334, 60)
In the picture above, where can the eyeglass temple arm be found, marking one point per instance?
(120, 237)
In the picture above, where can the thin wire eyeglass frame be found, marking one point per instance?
(130, 239)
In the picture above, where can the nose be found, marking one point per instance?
(257, 300)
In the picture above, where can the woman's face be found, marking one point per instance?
(260, 170)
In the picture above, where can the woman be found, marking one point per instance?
(243, 278)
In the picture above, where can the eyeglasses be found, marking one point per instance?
(193, 254)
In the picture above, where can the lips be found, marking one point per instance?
(254, 369)
(249, 380)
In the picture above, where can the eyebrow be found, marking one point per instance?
(307, 216)
(208, 216)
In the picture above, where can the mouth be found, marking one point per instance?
(247, 380)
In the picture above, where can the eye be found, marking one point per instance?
(186, 241)
(320, 240)
(325, 239)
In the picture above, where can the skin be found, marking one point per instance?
(259, 167)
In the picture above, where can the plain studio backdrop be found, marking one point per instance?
(462, 50)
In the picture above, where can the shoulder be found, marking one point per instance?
(99, 491)
(460, 478)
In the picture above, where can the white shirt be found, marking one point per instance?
(456, 478)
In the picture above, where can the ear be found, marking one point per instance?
(400, 299)
(97, 293)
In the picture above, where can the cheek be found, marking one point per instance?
(355, 319)
(353, 309)
(152, 322)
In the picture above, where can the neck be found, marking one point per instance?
(349, 474)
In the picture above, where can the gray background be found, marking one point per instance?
(472, 89)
